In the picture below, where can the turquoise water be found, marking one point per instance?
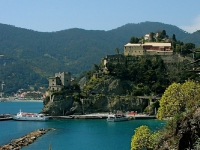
(72, 134)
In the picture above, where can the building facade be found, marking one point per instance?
(133, 49)
(59, 81)
(147, 49)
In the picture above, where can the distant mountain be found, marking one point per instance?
(193, 38)
(74, 50)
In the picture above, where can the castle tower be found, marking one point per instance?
(55, 84)
(60, 81)
(65, 78)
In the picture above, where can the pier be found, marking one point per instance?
(103, 116)
(4, 117)
(25, 140)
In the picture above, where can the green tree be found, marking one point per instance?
(188, 48)
(154, 139)
(161, 35)
(141, 139)
(169, 102)
(174, 38)
(178, 98)
(151, 37)
(134, 40)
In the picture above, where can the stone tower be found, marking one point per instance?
(60, 81)
(65, 78)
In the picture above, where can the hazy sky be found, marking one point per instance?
(56, 15)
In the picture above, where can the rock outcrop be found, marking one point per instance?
(98, 95)
(59, 104)
(184, 134)
(110, 85)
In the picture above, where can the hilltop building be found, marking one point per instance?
(59, 81)
(148, 48)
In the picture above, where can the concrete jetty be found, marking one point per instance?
(86, 116)
(91, 116)
(103, 116)
(140, 117)
(27, 139)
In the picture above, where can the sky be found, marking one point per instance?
(56, 15)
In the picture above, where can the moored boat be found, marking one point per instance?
(116, 118)
(24, 116)
(4, 117)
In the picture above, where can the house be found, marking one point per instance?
(133, 49)
(59, 81)
(148, 48)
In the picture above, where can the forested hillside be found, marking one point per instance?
(41, 54)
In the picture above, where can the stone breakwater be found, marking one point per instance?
(27, 139)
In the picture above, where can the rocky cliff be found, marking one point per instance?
(181, 132)
(105, 94)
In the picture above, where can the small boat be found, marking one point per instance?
(24, 116)
(116, 118)
(4, 117)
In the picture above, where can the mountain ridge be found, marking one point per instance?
(74, 50)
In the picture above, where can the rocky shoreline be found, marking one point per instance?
(27, 139)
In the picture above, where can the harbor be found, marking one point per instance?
(69, 129)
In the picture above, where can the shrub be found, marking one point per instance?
(141, 138)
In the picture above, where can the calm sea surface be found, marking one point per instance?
(70, 134)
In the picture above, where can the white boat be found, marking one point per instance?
(24, 116)
(116, 118)
(5, 117)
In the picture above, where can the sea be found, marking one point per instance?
(71, 134)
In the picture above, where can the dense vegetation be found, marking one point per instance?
(151, 74)
(180, 105)
(73, 50)
(20, 75)
(148, 73)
